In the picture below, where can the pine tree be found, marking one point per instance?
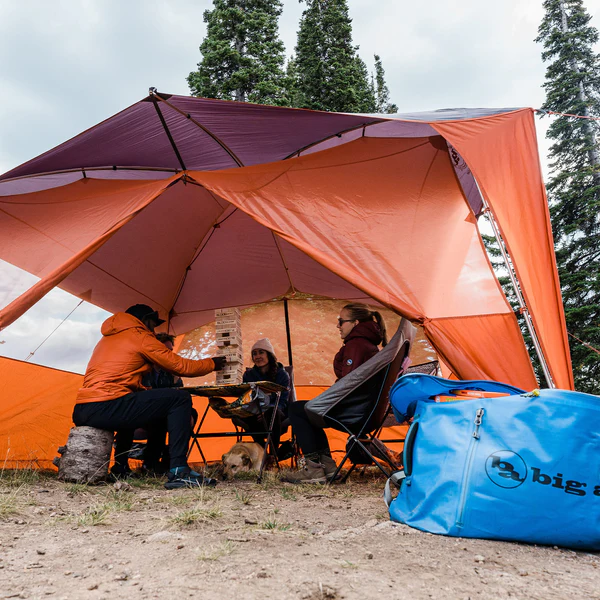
(329, 73)
(497, 261)
(573, 86)
(381, 91)
(242, 55)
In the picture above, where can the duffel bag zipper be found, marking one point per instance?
(467, 471)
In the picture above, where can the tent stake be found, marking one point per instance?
(516, 287)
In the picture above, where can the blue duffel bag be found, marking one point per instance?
(524, 467)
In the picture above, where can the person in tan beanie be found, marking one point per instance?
(266, 368)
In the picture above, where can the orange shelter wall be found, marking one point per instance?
(37, 403)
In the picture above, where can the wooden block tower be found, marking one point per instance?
(229, 343)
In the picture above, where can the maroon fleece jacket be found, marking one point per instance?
(359, 346)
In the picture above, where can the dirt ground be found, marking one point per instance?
(244, 540)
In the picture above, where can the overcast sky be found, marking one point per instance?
(68, 65)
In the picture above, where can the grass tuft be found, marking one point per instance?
(246, 475)
(93, 516)
(196, 515)
(243, 497)
(215, 552)
(10, 503)
(287, 494)
(147, 481)
(19, 477)
(77, 488)
(272, 524)
(117, 501)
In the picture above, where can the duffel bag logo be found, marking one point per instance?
(507, 469)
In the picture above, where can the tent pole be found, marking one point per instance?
(517, 289)
(287, 331)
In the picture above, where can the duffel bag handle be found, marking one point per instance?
(409, 444)
(407, 460)
(395, 478)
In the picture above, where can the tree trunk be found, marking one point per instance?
(86, 456)
(589, 130)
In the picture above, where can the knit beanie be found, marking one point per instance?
(264, 344)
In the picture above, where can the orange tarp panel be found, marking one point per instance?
(364, 211)
(35, 416)
(98, 210)
(35, 412)
(501, 151)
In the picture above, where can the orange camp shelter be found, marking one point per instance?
(261, 202)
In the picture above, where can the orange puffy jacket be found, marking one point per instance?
(124, 354)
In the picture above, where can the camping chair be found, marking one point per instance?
(358, 403)
(286, 423)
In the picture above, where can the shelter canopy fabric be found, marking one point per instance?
(380, 212)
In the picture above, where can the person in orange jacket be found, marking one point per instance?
(112, 396)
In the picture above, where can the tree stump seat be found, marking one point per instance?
(86, 456)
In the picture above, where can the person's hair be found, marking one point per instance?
(165, 337)
(273, 367)
(362, 313)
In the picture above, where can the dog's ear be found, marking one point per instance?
(246, 460)
(224, 456)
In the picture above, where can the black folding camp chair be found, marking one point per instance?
(358, 403)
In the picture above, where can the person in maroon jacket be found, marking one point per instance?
(362, 330)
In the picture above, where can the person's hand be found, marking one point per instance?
(220, 362)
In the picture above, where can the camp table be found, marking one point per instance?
(233, 390)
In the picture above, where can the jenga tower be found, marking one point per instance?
(229, 343)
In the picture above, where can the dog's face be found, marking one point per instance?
(234, 462)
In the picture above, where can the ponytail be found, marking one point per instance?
(379, 320)
(362, 313)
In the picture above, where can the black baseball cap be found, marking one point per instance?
(143, 311)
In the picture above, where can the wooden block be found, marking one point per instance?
(228, 340)
(227, 329)
(227, 313)
(86, 457)
(229, 322)
(233, 353)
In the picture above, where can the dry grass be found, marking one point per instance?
(194, 516)
(217, 551)
(11, 502)
(20, 477)
(244, 497)
(93, 516)
(272, 524)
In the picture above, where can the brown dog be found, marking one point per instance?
(243, 456)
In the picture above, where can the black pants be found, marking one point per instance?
(143, 409)
(256, 424)
(156, 450)
(310, 438)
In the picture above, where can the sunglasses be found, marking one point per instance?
(342, 321)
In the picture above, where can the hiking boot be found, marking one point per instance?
(329, 466)
(308, 472)
(184, 477)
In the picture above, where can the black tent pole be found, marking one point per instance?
(287, 331)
